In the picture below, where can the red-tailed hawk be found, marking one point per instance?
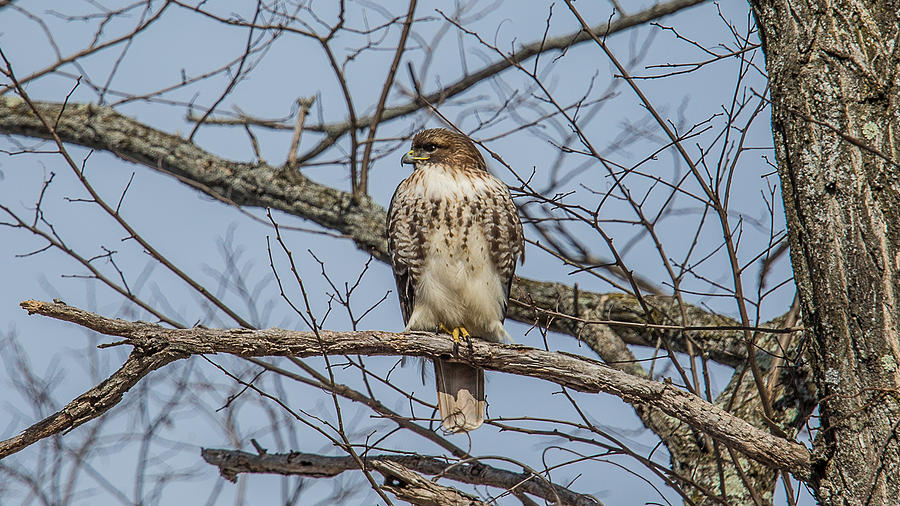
(454, 238)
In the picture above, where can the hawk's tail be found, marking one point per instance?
(460, 389)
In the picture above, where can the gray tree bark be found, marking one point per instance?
(834, 70)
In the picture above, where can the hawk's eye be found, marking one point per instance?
(429, 147)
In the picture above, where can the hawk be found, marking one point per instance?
(454, 238)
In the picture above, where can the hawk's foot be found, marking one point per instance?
(455, 333)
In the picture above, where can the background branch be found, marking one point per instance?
(472, 471)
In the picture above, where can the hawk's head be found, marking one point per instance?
(446, 148)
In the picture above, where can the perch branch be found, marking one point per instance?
(152, 341)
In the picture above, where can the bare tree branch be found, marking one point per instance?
(94, 402)
(414, 489)
(577, 373)
(527, 51)
(363, 186)
(233, 462)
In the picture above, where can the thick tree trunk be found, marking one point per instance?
(834, 69)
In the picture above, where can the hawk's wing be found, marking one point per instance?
(405, 247)
(503, 229)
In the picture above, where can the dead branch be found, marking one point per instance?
(94, 402)
(414, 489)
(234, 462)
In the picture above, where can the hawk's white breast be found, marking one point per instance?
(459, 284)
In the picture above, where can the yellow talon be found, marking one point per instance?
(456, 332)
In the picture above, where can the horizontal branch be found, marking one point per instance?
(571, 371)
(234, 462)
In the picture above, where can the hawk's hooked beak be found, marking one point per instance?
(411, 158)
